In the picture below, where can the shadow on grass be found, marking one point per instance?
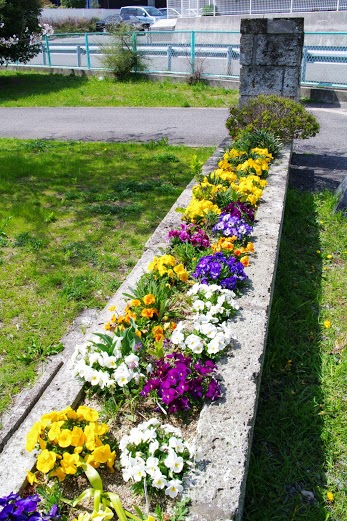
(286, 472)
(17, 86)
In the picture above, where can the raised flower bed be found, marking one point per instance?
(153, 354)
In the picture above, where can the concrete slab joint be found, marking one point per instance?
(225, 429)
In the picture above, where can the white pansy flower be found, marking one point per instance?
(95, 378)
(159, 481)
(149, 435)
(138, 472)
(176, 444)
(111, 362)
(132, 361)
(174, 488)
(199, 305)
(153, 446)
(177, 336)
(149, 368)
(135, 436)
(208, 329)
(194, 343)
(170, 429)
(174, 462)
(152, 466)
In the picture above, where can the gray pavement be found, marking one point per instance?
(186, 126)
(321, 162)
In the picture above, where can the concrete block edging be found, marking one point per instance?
(225, 428)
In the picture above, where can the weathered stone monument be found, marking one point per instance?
(270, 57)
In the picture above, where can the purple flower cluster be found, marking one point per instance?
(15, 508)
(240, 210)
(192, 234)
(178, 382)
(229, 225)
(228, 272)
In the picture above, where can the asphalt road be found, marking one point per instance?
(319, 162)
(188, 126)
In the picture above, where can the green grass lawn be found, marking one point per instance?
(74, 218)
(300, 444)
(32, 89)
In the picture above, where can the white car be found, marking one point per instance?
(170, 12)
(146, 14)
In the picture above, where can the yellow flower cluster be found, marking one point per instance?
(66, 439)
(249, 188)
(206, 190)
(166, 265)
(197, 210)
(240, 171)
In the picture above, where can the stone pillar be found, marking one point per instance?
(270, 57)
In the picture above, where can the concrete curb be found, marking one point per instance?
(225, 428)
(341, 192)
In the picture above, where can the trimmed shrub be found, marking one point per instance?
(283, 117)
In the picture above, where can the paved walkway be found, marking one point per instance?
(319, 162)
(186, 126)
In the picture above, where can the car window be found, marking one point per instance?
(152, 11)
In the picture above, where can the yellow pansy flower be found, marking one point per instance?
(45, 461)
(33, 436)
(65, 438)
(86, 413)
(69, 463)
(59, 473)
(31, 477)
(55, 430)
(77, 436)
(103, 454)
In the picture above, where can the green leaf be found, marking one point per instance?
(86, 494)
(117, 505)
(93, 476)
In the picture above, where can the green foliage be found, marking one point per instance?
(33, 89)
(34, 351)
(258, 138)
(74, 25)
(209, 10)
(283, 117)
(58, 257)
(20, 19)
(121, 56)
(73, 3)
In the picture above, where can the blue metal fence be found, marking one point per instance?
(208, 53)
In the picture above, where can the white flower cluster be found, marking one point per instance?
(158, 454)
(210, 326)
(13, 40)
(99, 368)
(34, 38)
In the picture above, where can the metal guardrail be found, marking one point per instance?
(213, 54)
(194, 8)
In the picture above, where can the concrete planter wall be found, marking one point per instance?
(225, 428)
